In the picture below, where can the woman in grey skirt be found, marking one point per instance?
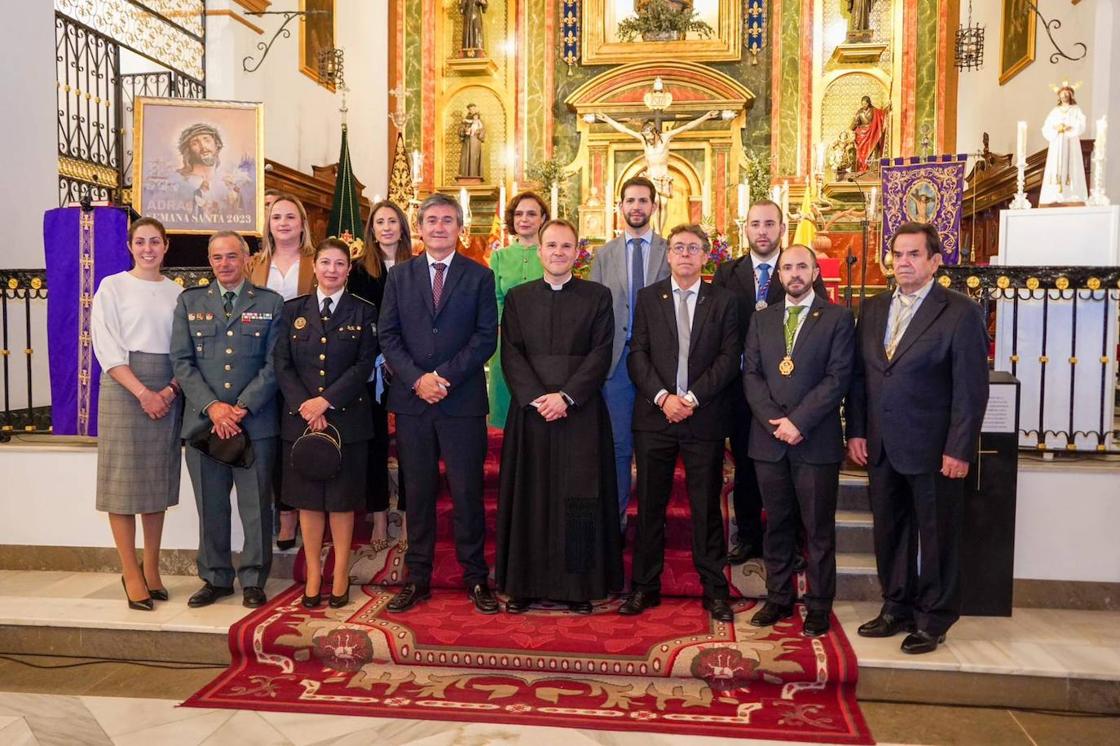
(139, 410)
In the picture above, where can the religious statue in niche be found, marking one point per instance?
(870, 128)
(472, 11)
(859, 20)
(472, 133)
(655, 144)
(1063, 180)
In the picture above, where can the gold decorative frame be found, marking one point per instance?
(309, 58)
(599, 47)
(1016, 39)
(246, 136)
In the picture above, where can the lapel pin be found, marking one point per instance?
(664, 296)
(816, 314)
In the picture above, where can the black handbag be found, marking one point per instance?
(235, 451)
(318, 455)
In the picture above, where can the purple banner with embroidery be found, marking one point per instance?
(81, 248)
(929, 190)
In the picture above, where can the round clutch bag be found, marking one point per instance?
(318, 455)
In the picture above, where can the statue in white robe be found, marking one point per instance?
(1063, 181)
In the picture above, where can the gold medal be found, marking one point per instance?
(299, 323)
(785, 367)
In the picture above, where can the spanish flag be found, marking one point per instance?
(806, 230)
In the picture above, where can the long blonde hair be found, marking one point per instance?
(268, 242)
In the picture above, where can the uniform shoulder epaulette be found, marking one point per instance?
(264, 289)
(193, 288)
(363, 300)
(297, 299)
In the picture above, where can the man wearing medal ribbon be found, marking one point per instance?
(797, 367)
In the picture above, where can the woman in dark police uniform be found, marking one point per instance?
(323, 360)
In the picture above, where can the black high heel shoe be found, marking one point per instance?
(144, 604)
(337, 602)
(157, 594)
(312, 602)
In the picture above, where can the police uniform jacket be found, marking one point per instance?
(332, 359)
(227, 360)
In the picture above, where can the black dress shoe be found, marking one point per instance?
(483, 598)
(337, 602)
(639, 601)
(252, 597)
(518, 605)
(817, 623)
(920, 641)
(799, 563)
(580, 607)
(285, 544)
(719, 609)
(885, 625)
(408, 596)
(144, 604)
(207, 595)
(312, 602)
(743, 552)
(770, 614)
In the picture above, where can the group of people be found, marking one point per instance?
(640, 365)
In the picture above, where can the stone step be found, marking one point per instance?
(853, 532)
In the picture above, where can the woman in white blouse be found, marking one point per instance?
(286, 264)
(139, 409)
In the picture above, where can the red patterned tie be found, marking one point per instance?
(437, 284)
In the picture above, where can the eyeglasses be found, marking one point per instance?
(691, 249)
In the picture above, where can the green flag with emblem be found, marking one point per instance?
(346, 218)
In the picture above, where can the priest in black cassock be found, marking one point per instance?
(558, 532)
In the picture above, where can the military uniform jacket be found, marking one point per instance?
(227, 360)
(333, 360)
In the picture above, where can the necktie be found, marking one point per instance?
(794, 315)
(763, 282)
(326, 310)
(437, 284)
(227, 304)
(684, 338)
(637, 276)
(902, 315)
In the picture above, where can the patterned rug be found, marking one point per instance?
(672, 670)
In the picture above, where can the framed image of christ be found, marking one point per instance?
(603, 45)
(199, 165)
(316, 33)
(1016, 38)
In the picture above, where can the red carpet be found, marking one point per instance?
(671, 670)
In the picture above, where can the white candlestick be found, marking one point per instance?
(502, 202)
(744, 200)
(1100, 146)
(1021, 144)
(465, 200)
(554, 201)
(873, 203)
(776, 195)
(820, 158)
(417, 166)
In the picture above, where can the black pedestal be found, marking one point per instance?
(988, 545)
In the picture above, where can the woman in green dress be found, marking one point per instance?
(513, 265)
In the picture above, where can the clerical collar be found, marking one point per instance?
(554, 286)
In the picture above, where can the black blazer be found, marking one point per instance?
(367, 287)
(713, 358)
(823, 357)
(455, 341)
(929, 399)
(738, 277)
(333, 361)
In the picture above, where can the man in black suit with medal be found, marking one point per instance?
(797, 367)
(684, 362)
(754, 279)
(913, 417)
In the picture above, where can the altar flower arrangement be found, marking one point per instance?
(663, 20)
(582, 266)
(719, 253)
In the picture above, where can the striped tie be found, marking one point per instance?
(437, 284)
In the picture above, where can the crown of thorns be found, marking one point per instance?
(199, 129)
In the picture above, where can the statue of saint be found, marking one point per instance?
(1063, 180)
(870, 128)
(859, 20)
(472, 11)
(655, 143)
(472, 133)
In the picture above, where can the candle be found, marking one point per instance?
(465, 200)
(785, 200)
(1021, 145)
(417, 166)
(705, 202)
(776, 195)
(744, 200)
(820, 158)
(502, 202)
(1102, 137)
(873, 203)
(554, 200)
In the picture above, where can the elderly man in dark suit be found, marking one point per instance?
(913, 417)
(222, 338)
(438, 327)
(754, 279)
(684, 361)
(627, 264)
(797, 367)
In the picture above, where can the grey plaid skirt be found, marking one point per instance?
(138, 458)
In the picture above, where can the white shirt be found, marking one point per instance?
(805, 303)
(287, 285)
(334, 298)
(895, 307)
(691, 303)
(446, 261)
(757, 260)
(131, 315)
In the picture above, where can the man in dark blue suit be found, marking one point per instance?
(438, 327)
